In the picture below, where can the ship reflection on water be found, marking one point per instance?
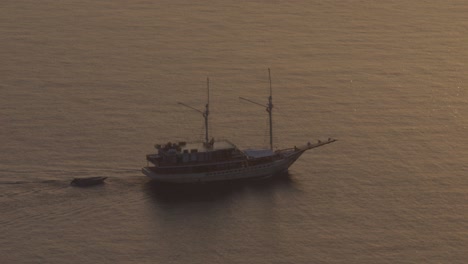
(170, 193)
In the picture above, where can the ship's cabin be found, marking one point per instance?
(187, 153)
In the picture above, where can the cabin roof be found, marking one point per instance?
(201, 147)
(258, 153)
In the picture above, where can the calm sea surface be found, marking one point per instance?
(87, 88)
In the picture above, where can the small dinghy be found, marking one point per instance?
(89, 181)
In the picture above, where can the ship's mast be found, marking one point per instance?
(269, 109)
(204, 113)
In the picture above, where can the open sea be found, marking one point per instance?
(88, 87)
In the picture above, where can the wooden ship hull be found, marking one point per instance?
(247, 172)
(248, 168)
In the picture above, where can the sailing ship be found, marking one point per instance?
(210, 160)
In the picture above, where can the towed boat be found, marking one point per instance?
(210, 161)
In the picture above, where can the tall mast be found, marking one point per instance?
(204, 113)
(269, 109)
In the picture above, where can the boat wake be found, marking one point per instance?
(29, 182)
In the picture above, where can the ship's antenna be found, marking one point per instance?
(269, 109)
(206, 112)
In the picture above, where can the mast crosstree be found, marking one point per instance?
(269, 109)
(204, 113)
